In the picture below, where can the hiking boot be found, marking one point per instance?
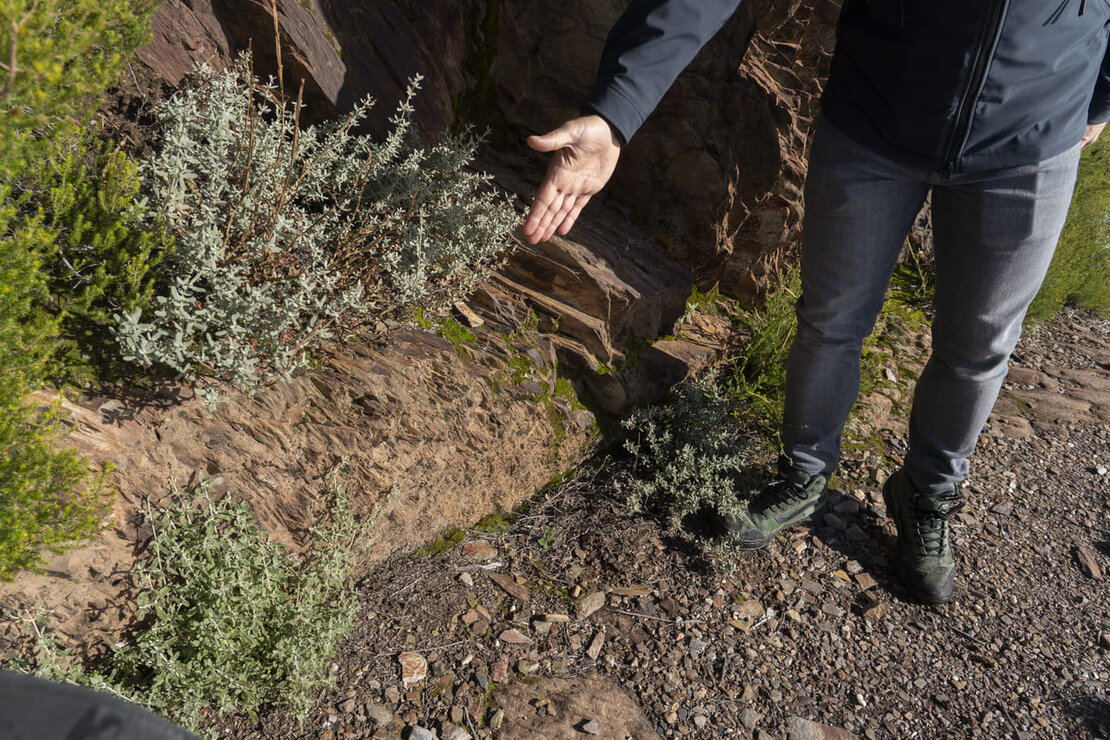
(922, 554)
(792, 497)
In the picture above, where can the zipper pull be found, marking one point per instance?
(1082, 6)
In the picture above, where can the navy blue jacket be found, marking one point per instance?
(945, 85)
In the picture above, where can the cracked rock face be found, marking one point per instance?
(715, 174)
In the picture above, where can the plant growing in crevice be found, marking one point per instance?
(287, 236)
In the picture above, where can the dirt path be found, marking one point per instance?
(581, 620)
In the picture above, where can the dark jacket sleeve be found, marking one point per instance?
(1099, 112)
(646, 50)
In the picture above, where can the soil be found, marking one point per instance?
(581, 619)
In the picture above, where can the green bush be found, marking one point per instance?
(40, 503)
(285, 236)
(1080, 269)
(58, 56)
(228, 620)
(106, 247)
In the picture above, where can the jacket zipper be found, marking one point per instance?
(971, 92)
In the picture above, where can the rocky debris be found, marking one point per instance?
(803, 729)
(836, 651)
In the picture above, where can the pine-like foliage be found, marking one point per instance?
(56, 56)
(40, 507)
(286, 236)
(106, 247)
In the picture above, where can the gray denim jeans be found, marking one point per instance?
(994, 234)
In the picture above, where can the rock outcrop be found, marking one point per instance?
(714, 175)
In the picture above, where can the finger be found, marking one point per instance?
(541, 206)
(565, 209)
(572, 217)
(535, 217)
(549, 220)
(552, 141)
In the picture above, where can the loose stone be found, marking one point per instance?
(414, 668)
(514, 637)
(594, 649)
(479, 550)
(511, 587)
(590, 603)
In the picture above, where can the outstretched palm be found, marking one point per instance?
(586, 151)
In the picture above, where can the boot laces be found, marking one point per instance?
(779, 494)
(930, 521)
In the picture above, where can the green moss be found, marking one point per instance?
(451, 537)
(448, 328)
(455, 333)
(421, 320)
(495, 522)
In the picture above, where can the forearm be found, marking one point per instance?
(646, 50)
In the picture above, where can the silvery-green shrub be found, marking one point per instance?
(286, 236)
(687, 455)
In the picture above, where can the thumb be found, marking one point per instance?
(552, 141)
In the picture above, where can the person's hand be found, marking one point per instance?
(1091, 135)
(586, 151)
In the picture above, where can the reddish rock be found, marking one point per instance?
(511, 587)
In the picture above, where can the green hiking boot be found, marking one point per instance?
(792, 497)
(922, 554)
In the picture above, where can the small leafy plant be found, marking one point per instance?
(228, 620)
(689, 454)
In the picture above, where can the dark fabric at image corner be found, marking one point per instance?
(35, 709)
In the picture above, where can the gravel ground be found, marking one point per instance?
(814, 626)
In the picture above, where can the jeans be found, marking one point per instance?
(994, 234)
